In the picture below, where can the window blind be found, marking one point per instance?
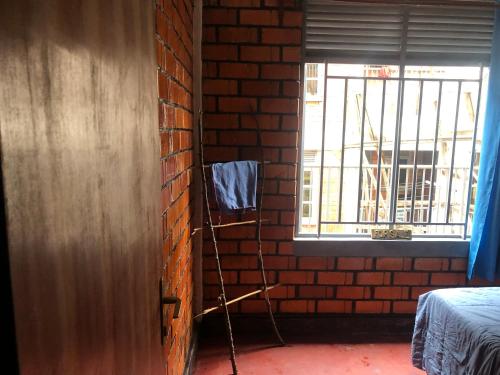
(389, 33)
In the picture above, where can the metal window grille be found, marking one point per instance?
(397, 186)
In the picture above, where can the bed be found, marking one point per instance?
(457, 331)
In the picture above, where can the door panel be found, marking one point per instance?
(80, 165)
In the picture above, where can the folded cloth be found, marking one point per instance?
(235, 185)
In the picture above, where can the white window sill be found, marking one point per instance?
(354, 246)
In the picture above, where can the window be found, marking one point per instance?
(392, 116)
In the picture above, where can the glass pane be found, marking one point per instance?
(306, 210)
(307, 177)
(306, 195)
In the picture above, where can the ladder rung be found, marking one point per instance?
(259, 162)
(230, 225)
(237, 299)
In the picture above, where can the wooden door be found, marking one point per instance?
(80, 168)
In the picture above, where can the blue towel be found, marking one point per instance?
(235, 185)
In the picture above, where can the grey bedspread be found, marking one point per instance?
(457, 331)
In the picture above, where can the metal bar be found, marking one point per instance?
(325, 88)
(399, 117)
(436, 135)
(415, 156)
(300, 161)
(360, 180)
(405, 79)
(379, 161)
(215, 308)
(450, 181)
(346, 86)
(473, 154)
(384, 223)
(395, 155)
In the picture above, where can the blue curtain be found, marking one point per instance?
(484, 254)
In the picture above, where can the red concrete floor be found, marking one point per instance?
(307, 359)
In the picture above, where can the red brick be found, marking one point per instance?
(287, 187)
(280, 71)
(335, 278)
(352, 292)
(209, 69)
(238, 262)
(281, 292)
(404, 307)
(279, 105)
(296, 306)
(281, 36)
(287, 217)
(238, 70)
(373, 278)
(240, 232)
(268, 247)
(312, 263)
(240, 3)
(372, 307)
(279, 139)
(260, 88)
(290, 122)
(237, 104)
(418, 291)
(281, 3)
(292, 19)
(448, 279)
(259, 53)
(220, 87)
(352, 263)
(431, 264)
(279, 262)
(285, 248)
(220, 52)
(314, 291)
(335, 307)
(263, 122)
(211, 277)
(255, 306)
(259, 17)
(411, 278)
(392, 264)
(220, 121)
(278, 232)
(292, 54)
(255, 277)
(291, 88)
(458, 264)
(237, 34)
(296, 277)
(209, 34)
(391, 292)
(213, 16)
(238, 138)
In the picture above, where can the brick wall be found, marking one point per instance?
(174, 43)
(251, 72)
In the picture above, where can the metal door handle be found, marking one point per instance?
(170, 300)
